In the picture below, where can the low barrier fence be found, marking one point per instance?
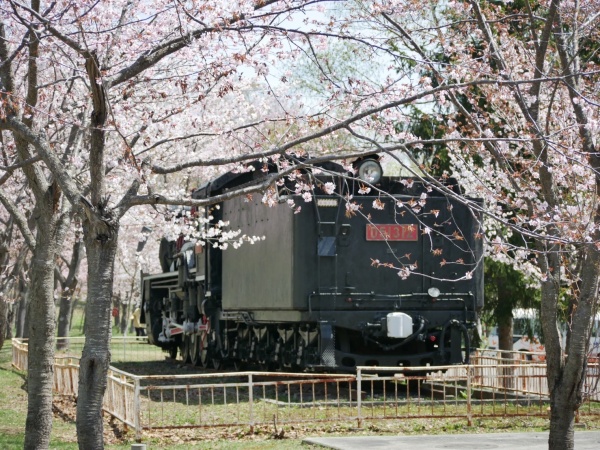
(122, 349)
(489, 387)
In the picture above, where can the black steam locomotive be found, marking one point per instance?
(363, 269)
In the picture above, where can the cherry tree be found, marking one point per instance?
(91, 89)
(520, 85)
(14, 253)
(101, 101)
(12, 261)
(51, 218)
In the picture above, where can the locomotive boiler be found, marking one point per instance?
(371, 270)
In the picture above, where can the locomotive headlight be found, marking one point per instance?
(433, 292)
(370, 171)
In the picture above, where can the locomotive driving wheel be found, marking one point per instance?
(216, 352)
(202, 338)
(186, 349)
(195, 350)
(214, 346)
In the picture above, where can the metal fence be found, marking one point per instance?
(490, 387)
(122, 349)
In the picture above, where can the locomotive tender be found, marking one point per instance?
(356, 278)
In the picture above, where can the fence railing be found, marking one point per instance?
(489, 387)
(122, 349)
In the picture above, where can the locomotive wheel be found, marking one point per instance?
(215, 353)
(216, 363)
(267, 366)
(195, 350)
(186, 349)
(240, 366)
(173, 352)
(217, 344)
(204, 356)
(241, 348)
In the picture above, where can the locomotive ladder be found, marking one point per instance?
(327, 257)
(327, 270)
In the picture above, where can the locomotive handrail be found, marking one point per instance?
(413, 294)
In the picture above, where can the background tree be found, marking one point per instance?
(68, 288)
(505, 290)
(5, 278)
(14, 256)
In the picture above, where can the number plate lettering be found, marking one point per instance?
(392, 232)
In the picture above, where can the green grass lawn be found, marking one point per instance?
(14, 404)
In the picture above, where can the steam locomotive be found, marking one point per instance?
(357, 269)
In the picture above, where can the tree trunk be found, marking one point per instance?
(505, 337)
(42, 326)
(40, 365)
(125, 314)
(562, 421)
(5, 239)
(96, 351)
(22, 311)
(124, 317)
(566, 370)
(64, 318)
(74, 303)
(10, 289)
(3, 320)
(68, 287)
(505, 342)
(10, 318)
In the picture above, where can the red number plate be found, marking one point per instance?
(393, 232)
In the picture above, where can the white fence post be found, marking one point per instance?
(358, 396)
(469, 385)
(251, 402)
(137, 409)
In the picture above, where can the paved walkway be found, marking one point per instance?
(584, 440)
